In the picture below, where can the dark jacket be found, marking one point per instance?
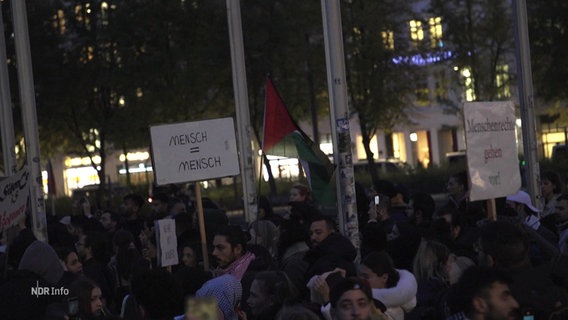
(335, 251)
(535, 291)
(38, 268)
(17, 301)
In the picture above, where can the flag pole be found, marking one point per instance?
(526, 99)
(6, 119)
(51, 186)
(259, 192)
(242, 108)
(339, 112)
(29, 115)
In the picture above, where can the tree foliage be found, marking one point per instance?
(380, 91)
(283, 40)
(479, 34)
(548, 32)
(106, 70)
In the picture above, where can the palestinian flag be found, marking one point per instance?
(283, 137)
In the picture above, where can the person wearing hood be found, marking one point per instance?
(38, 268)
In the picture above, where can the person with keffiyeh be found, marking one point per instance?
(230, 252)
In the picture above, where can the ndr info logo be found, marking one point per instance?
(48, 291)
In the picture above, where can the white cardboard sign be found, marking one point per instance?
(166, 242)
(194, 151)
(492, 158)
(14, 193)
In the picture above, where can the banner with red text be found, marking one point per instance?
(14, 193)
(492, 155)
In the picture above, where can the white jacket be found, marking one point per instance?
(400, 298)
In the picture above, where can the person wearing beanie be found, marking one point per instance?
(41, 259)
(352, 298)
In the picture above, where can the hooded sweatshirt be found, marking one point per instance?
(41, 259)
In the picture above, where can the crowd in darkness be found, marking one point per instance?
(417, 260)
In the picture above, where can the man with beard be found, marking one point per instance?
(483, 293)
(329, 249)
(230, 252)
(504, 246)
(233, 257)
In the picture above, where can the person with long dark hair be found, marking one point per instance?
(90, 301)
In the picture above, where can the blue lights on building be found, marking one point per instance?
(423, 59)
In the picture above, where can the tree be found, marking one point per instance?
(380, 91)
(283, 39)
(478, 33)
(117, 67)
(548, 22)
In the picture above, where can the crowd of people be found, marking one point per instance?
(417, 260)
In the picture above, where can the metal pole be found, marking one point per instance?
(242, 108)
(526, 99)
(6, 119)
(27, 97)
(339, 112)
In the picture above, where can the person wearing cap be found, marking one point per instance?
(521, 202)
(351, 298)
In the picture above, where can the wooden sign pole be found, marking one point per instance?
(491, 209)
(202, 226)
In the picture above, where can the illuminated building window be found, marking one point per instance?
(436, 32)
(104, 13)
(88, 54)
(398, 145)
(422, 93)
(468, 84)
(82, 14)
(441, 86)
(79, 13)
(360, 150)
(502, 81)
(551, 139)
(416, 32)
(92, 138)
(59, 22)
(76, 178)
(388, 39)
(356, 34)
